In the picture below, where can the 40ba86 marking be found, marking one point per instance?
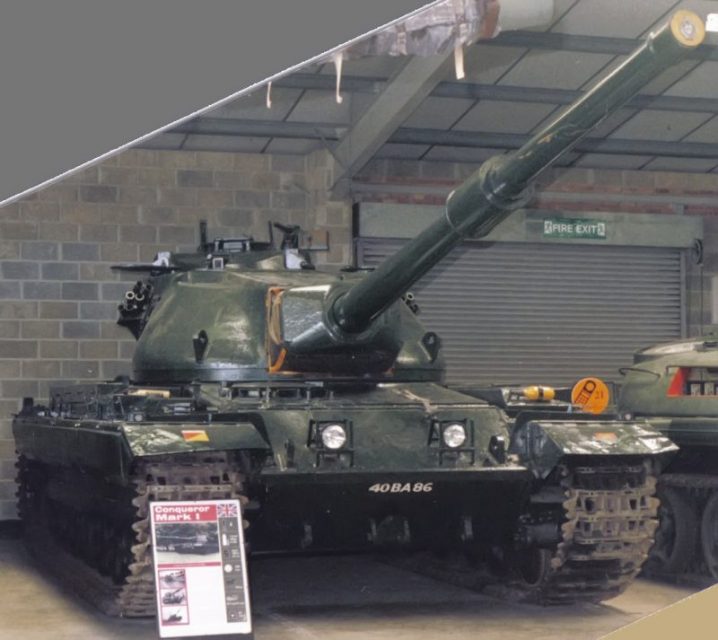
(402, 487)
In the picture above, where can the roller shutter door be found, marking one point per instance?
(550, 313)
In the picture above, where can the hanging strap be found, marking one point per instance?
(338, 59)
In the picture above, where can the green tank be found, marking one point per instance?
(317, 400)
(674, 386)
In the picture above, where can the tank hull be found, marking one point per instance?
(396, 485)
(305, 496)
(673, 387)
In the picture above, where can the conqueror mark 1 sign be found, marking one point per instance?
(200, 568)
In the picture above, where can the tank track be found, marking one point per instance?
(687, 563)
(607, 519)
(70, 554)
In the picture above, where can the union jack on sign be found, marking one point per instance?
(227, 510)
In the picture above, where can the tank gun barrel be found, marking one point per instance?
(491, 193)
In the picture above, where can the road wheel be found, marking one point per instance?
(531, 569)
(676, 538)
(709, 534)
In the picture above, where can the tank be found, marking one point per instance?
(674, 386)
(175, 538)
(174, 597)
(316, 399)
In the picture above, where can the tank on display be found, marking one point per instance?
(316, 399)
(174, 597)
(199, 539)
(674, 386)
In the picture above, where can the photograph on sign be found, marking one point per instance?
(200, 568)
(177, 539)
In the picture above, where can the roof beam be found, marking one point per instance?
(475, 91)
(567, 96)
(586, 44)
(401, 95)
(259, 128)
(453, 138)
(509, 141)
(327, 82)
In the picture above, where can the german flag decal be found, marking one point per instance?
(195, 436)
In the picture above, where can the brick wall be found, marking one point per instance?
(58, 296)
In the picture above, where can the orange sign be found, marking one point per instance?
(591, 394)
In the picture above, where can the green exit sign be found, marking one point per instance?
(574, 228)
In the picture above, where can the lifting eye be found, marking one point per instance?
(431, 343)
(497, 448)
(410, 302)
(200, 342)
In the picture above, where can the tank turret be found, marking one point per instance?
(673, 379)
(250, 315)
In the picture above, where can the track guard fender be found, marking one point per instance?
(164, 438)
(541, 445)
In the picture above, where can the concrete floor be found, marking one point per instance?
(335, 598)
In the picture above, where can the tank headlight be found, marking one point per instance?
(334, 436)
(454, 435)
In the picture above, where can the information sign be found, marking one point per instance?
(200, 568)
(574, 228)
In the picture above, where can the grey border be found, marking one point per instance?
(55, 58)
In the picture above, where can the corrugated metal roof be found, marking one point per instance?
(585, 38)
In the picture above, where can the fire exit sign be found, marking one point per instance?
(574, 228)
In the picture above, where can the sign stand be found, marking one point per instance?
(200, 569)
